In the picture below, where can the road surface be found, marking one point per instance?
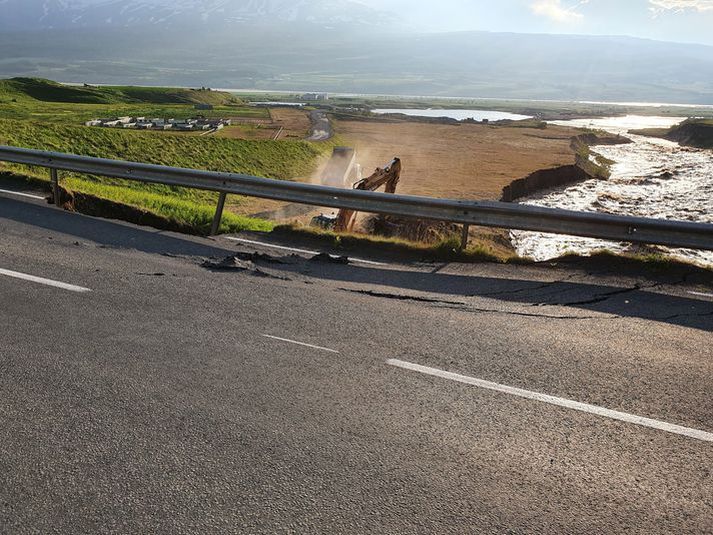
(143, 390)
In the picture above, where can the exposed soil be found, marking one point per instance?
(284, 123)
(296, 124)
(544, 179)
(469, 161)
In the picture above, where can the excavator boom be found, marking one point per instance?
(388, 177)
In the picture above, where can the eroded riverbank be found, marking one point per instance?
(650, 178)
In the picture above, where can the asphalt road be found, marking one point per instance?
(156, 394)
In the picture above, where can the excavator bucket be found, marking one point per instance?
(388, 177)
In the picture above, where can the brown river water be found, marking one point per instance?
(650, 178)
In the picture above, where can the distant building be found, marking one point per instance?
(315, 96)
(279, 104)
(157, 123)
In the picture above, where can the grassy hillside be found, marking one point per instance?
(49, 91)
(43, 100)
(273, 159)
(56, 129)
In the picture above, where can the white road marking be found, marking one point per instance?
(299, 343)
(28, 195)
(561, 402)
(46, 282)
(303, 251)
(701, 294)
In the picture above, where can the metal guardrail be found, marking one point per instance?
(480, 213)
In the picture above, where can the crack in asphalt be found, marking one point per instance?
(598, 298)
(541, 286)
(459, 305)
(688, 315)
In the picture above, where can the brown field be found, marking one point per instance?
(296, 123)
(284, 123)
(467, 161)
(470, 161)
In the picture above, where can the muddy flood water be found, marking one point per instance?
(650, 178)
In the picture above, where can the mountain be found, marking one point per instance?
(67, 14)
(335, 46)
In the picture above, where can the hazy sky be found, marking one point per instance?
(670, 20)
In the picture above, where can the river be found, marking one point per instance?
(650, 177)
(460, 115)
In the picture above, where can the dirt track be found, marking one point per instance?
(466, 161)
(284, 124)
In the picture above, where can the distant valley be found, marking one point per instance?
(335, 45)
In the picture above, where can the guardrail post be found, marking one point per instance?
(464, 237)
(218, 214)
(55, 187)
(684, 234)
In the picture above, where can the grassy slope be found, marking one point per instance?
(26, 121)
(36, 99)
(49, 91)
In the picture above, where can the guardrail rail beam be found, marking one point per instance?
(619, 228)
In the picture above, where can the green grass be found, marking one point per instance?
(273, 159)
(43, 115)
(49, 91)
(447, 249)
(196, 216)
(42, 100)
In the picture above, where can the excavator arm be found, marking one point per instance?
(388, 177)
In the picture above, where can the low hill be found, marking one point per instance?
(49, 91)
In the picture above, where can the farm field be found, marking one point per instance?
(278, 124)
(467, 161)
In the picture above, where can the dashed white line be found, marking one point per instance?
(561, 402)
(295, 250)
(299, 343)
(46, 282)
(701, 294)
(28, 195)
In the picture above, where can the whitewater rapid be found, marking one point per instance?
(650, 178)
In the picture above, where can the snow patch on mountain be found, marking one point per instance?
(42, 14)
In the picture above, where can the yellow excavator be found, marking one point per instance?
(388, 177)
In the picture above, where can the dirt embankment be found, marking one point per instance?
(692, 134)
(696, 133)
(544, 179)
(83, 203)
(584, 168)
